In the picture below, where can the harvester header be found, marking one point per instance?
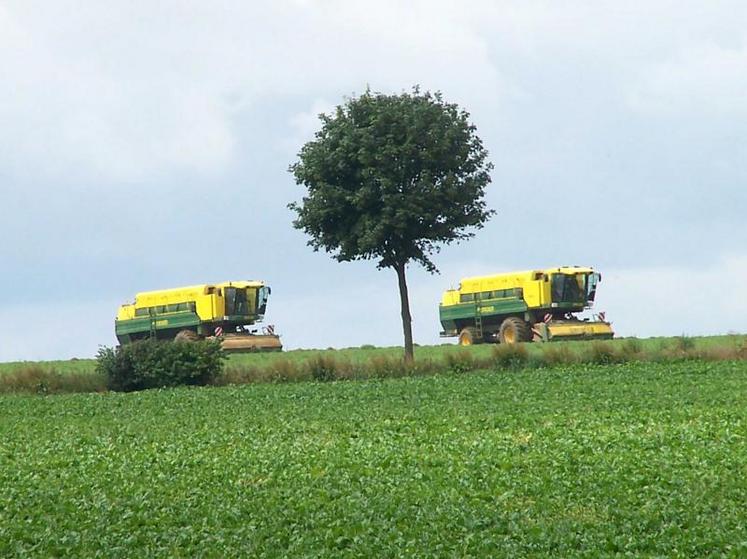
(532, 305)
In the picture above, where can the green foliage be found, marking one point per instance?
(388, 367)
(461, 362)
(153, 364)
(601, 353)
(630, 460)
(389, 177)
(510, 356)
(683, 343)
(38, 379)
(381, 362)
(555, 355)
(631, 349)
(324, 368)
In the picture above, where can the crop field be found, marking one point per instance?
(634, 459)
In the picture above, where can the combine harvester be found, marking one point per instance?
(222, 310)
(536, 305)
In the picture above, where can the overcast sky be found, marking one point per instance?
(145, 145)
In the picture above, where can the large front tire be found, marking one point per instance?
(514, 330)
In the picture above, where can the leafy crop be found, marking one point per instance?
(636, 459)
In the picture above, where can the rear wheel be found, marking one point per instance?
(186, 336)
(468, 336)
(514, 330)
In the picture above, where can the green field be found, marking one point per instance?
(636, 459)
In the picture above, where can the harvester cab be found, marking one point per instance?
(573, 289)
(539, 305)
(246, 301)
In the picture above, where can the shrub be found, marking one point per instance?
(323, 368)
(681, 348)
(557, 354)
(384, 366)
(40, 380)
(154, 364)
(510, 356)
(601, 353)
(236, 375)
(719, 353)
(631, 350)
(285, 370)
(683, 343)
(460, 362)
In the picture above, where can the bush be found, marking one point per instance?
(384, 366)
(510, 356)
(557, 354)
(684, 343)
(153, 364)
(631, 350)
(461, 362)
(324, 368)
(601, 353)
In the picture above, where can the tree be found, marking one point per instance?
(390, 178)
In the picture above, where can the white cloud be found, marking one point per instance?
(672, 300)
(205, 100)
(83, 115)
(303, 125)
(702, 80)
(129, 91)
(67, 330)
(126, 92)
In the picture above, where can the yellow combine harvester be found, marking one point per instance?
(223, 310)
(535, 305)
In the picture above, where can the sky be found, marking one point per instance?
(146, 145)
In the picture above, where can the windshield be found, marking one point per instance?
(569, 288)
(236, 303)
(591, 287)
(262, 294)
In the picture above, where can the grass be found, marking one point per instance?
(635, 459)
(371, 362)
(39, 379)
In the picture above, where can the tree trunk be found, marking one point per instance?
(406, 316)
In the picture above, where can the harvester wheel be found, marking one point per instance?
(514, 330)
(186, 336)
(468, 336)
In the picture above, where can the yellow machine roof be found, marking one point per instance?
(528, 274)
(476, 284)
(162, 296)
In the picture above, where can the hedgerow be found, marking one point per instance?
(347, 364)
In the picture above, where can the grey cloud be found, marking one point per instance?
(147, 146)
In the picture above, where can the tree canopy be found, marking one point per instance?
(392, 178)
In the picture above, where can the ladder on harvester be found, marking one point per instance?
(478, 323)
